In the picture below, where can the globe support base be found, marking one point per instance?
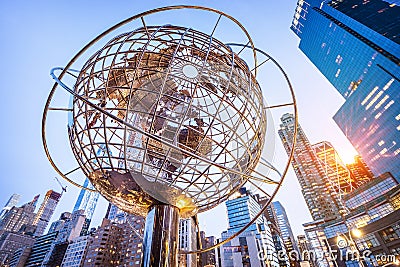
(160, 243)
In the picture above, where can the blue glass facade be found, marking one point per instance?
(363, 66)
(241, 211)
(374, 14)
(87, 200)
(284, 227)
(242, 208)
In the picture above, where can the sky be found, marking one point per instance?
(36, 36)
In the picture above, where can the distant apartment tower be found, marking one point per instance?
(280, 247)
(132, 241)
(115, 214)
(70, 230)
(319, 246)
(304, 251)
(87, 200)
(11, 242)
(76, 251)
(318, 191)
(59, 224)
(40, 249)
(132, 226)
(72, 227)
(45, 211)
(20, 256)
(19, 217)
(285, 229)
(104, 245)
(257, 239)
(207, 258)
(12, 201)
(355, 45)
(302, 243)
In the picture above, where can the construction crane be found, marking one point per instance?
(63, 188)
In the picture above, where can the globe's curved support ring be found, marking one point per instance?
(282, 176)
(98, 38)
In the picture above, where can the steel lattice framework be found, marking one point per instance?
(190, 92)
(178, 114)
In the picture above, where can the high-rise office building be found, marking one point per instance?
(70, 230)
(104, 245)
(344, 177)
(374, 211)
(132, 240)
(361, 172)
(12, 201)
(20, 256)
(187, 242)
(76, 251)
(19, 217)
(115, 214)
(59, 224)
(318, 190)
(279, 244)
(11, 242)
(45, 211)
(377, 15)
(285, 228)
(256, 240)
(336, 170)
(87, 201)
(354, 44)
(304, 251)
(40, 249)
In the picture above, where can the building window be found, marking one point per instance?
(339, 59)
(369, 241)
(390, 233)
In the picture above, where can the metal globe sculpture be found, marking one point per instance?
(166, 122)
(196, 114)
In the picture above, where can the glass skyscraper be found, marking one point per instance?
(13, 201)
(245, 249)
(318, 190)
(87, 201)
(284, 227)
(334, 167)
(355, 45)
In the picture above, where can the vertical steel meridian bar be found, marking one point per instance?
(160, 242)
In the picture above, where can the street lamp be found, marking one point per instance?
(356, 232)
(344, 242)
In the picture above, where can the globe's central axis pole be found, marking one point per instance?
(160, 242)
